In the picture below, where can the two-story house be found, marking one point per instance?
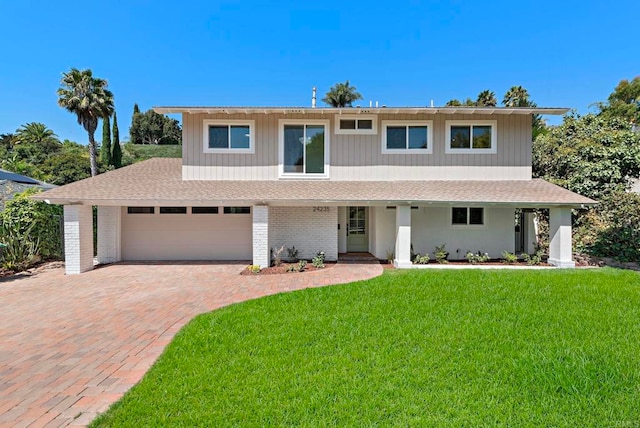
(338, 180)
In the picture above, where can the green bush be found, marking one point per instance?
(612, 228)
(31, 230)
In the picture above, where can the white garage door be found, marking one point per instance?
(162, 235)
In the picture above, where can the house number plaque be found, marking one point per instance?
(321, 209)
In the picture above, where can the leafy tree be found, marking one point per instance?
(590, 155)
(624, 101)
(341, 95)
(116, 154)
(136, 109)
(105, 148)
(90, 100)
(487, 98)
(65, 168)
(153, 128)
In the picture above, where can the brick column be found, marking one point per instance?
(560, 249)
(78, 238)
(261, 251)
(403, 237)
(109, 219)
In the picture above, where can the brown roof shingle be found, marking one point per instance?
(159, 181)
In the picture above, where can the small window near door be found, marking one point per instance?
(140, 210)
(204, 210)
(237, 210)
(173, 210)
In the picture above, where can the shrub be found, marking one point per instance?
(31, 231)
(292, 254)
(441, 254)
(19, 254)
(318, 260)
(421, 260)
(533, 260)
(391, 255)
(509, 258)
(302, 265)
(254, 269)
(276, 255)
(612, 229)
(478, 257)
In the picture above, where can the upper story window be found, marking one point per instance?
(475, 137)
(350, 124)
(229, 136)
(400, 136)
(304, 148)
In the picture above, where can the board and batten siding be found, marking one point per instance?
(360, 157)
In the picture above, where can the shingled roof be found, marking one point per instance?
(159, 182)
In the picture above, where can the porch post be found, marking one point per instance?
(403, 237)
(109, 219)
(261, 253)
(560, 253)
(78, 238)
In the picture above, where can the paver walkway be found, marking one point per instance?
(72, 345)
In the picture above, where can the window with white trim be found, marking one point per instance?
(475, 137)
(403, 137)
(304, 148)
(467, 216)
(228, 136)
(352, 124)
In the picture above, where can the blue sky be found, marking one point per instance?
(566, 53)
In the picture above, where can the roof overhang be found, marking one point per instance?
(304, 203)
(363, 110)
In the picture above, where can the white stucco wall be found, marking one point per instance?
(431, 226)
(309, 229)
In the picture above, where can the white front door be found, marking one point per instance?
(357, 236)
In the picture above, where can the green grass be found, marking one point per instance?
(410, 348)
(140, 152)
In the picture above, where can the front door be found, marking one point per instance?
(357, 237)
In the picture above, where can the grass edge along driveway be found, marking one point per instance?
(439, 348)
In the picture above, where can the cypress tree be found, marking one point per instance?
(135, 126)
(116, 156)
(105, 149)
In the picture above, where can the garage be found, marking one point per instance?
(186, 233)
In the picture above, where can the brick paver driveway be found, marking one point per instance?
(72, 345)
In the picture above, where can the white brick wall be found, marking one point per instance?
(260, 236)
(78, 238)
(109, 227)
(308, 229)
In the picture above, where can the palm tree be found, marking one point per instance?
(487, 98)
(517, 96)
(88, 98)
(342, 95)
(6, 140)
(35, 133)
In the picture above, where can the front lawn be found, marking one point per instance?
(409, 348)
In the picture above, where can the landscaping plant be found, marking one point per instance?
(441, 254)
(318, 260)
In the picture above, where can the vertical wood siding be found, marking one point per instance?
(360, 157)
